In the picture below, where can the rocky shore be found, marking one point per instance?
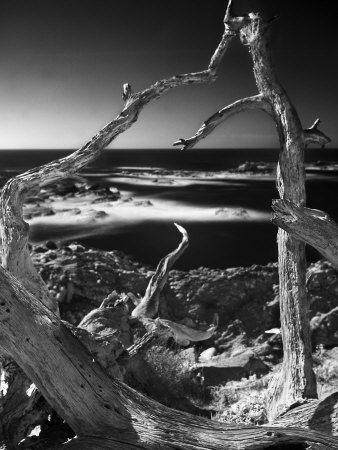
(247, 340)
(246, 348)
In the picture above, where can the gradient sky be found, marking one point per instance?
(63, 64)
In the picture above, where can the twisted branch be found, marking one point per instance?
(148, 307)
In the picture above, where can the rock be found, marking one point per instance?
(37, 211)
(221, 370)
(189, 355)
(100, 214)
(232, 212)
(255, 167)
(235, 294)
(324, 329)
(115, 270)
(207, 354)
(51, 245)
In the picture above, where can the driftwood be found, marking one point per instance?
(64, 364)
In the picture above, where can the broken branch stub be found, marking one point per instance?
(148, 307)
(311, 226)
(313, 135)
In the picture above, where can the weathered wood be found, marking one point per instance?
(296, 380)
(320, 415)
(311, 226)
(14, 230)
(106, 409)
(246, 104)
(148, 307)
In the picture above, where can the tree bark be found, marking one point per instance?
(296, 381)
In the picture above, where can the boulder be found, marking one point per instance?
(207, 354)
(220, 370)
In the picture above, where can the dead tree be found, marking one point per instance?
(68, 365)
(296, 381)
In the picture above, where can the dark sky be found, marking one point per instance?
(63, 64)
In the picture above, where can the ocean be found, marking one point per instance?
(213, 242)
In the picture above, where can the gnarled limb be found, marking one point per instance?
(296, 380)
(148, 306)
(103, 412)
(245, 104)
(14, 230)
(311, 226)
(311, 135)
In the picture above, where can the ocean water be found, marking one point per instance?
(213, 243)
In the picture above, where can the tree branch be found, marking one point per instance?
(148, 306)
(311, 226)
(14, 230)
(245, 104)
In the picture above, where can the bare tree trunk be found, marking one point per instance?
(296, 381)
